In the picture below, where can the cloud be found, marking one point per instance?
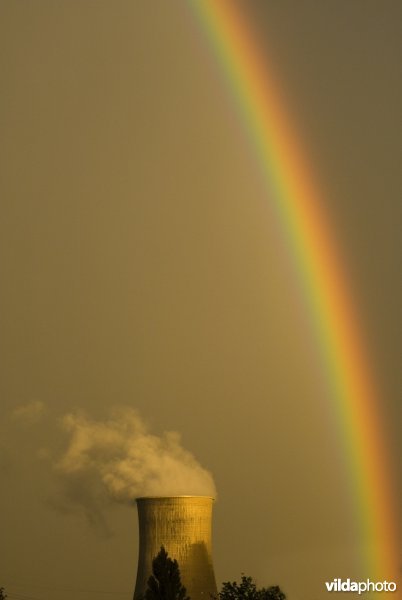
(129, 461)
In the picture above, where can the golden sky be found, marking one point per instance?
(139, 266)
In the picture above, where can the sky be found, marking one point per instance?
(140, 267)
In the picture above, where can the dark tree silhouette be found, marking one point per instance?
(247, 590)
(274, 592)
(165, 582)
(3, 594)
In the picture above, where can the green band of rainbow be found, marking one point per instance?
(353, 400)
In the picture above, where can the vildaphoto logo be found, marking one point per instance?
(346, 585)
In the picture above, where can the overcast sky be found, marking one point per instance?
(139, 267)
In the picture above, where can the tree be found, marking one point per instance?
(165, 582)
(247, 590)
(3, 594)
(274, 592)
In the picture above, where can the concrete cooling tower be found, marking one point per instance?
(182, 524)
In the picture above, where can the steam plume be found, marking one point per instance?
(128, 461)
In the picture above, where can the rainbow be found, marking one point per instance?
(352, 394)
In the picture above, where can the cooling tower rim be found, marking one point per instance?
(173, 497)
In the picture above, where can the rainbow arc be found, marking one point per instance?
(322, 279)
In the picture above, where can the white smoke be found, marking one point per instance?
(126, 461)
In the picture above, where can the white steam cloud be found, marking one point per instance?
(125, 461)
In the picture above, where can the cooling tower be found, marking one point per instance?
(182, 524)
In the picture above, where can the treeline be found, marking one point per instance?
(165, 584)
